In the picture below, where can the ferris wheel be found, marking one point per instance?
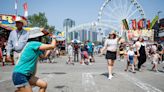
(112, 12)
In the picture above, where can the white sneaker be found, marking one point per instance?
(110, 77)
(90, 64)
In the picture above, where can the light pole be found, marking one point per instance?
(158, 15)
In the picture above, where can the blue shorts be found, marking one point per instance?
(20, 79)
(90, 53)
(131, 59)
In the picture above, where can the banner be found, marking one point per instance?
(25, 9)
(153, 22)
(125, 23)
(134, 24)
(140, 24)
(9, 19)
(148, 24)
(147, 34)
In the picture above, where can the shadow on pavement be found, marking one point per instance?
(106, 74)
(55, 73)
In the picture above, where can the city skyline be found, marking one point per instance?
(81, 11)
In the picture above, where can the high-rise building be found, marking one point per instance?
(84, 35)
(67, 24)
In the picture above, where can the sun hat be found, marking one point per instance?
(113, 32)
(20, 19)
(37, 32)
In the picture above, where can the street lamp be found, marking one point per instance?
(158, 15)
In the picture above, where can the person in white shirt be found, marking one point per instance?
(130, 60)
(111, 45)
(70, 54)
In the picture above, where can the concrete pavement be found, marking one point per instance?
(90, 78)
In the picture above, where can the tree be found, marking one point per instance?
(38, 20)
(51, 29)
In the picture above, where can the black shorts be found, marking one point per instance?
(111, 55)
(135, 52)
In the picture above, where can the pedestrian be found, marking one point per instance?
(84, 55)
(17, 40)
(135, 56)
(159, 50)
(76, 52)
(1, 55)
(23, 75)
(121, 51)
(90, 51)
(155, 58)
(141, 52)
(4, 54)
(70, 54)
(111, 45)
(57, 52)
(130, 60)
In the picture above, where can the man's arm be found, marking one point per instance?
(46, 54)
(48, 46)
(104, 48)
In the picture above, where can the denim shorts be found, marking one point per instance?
(20, 79)
(131, 59)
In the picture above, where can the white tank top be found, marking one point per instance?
(111, 44)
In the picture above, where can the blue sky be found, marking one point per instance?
(82, 11)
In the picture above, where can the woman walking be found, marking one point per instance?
(111, 46)
(141, 52)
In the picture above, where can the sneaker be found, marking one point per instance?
(82, 64)
(134, 72)
(89, 63)
(156, 71)
(125, 70)
(139, 70)
(110, 77)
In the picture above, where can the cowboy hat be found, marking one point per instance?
(20, 19)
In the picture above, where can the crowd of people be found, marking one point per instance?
(25, 55)
(85, 50)
(135, 54)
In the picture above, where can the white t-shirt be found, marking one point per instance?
(70, 50)
(111, 44)
(130, 53)
(138, 44)
(134, 47)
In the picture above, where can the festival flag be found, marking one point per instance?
(148, 24)
(16, 6)
(153, 22)
(25, 9)
(134, 24)
(125, 23)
